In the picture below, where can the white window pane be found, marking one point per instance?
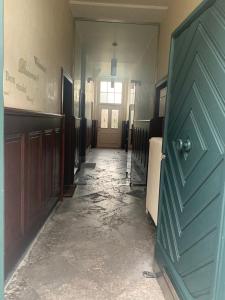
(111, 89)
(104, 86)
(111, 98)
(104, 98)
(118, 87)
(104, 118)
(118, 98)
(132, 95)
(115, 119)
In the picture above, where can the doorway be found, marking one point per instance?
(69, 134)
(110, 114)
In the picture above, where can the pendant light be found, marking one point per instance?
(114, 61)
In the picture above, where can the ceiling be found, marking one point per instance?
(127, 11)
(97, 38)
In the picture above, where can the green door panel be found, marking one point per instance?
(190, 235)
(1, 157)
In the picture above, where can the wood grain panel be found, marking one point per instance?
(33, 182)
(57, 151)
(49, 143)
(35, 196)
(14, 195)
(142, 132)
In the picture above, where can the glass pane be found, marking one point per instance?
(110, 88)
(103, 98)
(104, 118)
(111, 98)
(132, 95)
(104, 86)
(118, 87)
(118, 98)
(115, 119)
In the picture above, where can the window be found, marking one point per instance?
(109, 94)
(104, 118)
(115, 119)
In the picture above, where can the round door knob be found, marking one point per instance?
(179, 145)
(187, 146)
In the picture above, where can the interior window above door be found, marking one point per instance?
(111, 93)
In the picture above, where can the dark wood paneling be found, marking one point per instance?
(88, 133)
(34, 195)
(33, 167)
(77, 143)
(142, 132)
(94, 133)
(125, 135)
(69, 146)
(85, 137)
(14, 193)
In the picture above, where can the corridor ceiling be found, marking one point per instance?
(97, 38)
(133, 11)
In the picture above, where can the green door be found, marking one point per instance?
(1, 157)
(190, 237)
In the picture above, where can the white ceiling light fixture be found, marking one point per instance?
(114, 61)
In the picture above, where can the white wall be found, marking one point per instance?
(41, 29)
(77, 72)
(145, 72)
(177, 12)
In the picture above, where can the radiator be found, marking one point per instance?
(154, 166)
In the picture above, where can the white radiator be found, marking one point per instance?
(154, 166)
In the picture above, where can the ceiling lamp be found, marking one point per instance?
(114, 61)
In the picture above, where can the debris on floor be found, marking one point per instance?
(96, 245)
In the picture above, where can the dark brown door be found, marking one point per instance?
(69, 140)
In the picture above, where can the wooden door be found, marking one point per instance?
(110, 113)
(110, 126)
(190, 238)
(69, 140)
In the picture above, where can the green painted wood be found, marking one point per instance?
(1, 158)
(190, 235)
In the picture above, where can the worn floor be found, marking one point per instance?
(96, 245)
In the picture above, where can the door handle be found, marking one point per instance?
(183, 146)
(187, 145)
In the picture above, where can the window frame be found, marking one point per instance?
(110, 93)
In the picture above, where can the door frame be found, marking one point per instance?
(98, 106)
(1, 153)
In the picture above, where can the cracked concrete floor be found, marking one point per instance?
(96, 245)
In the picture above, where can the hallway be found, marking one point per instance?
(96, 245)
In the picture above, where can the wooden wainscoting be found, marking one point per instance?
(143, 130)
(77, 144)
(88, 133)
(33, 176)
(94, 134)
